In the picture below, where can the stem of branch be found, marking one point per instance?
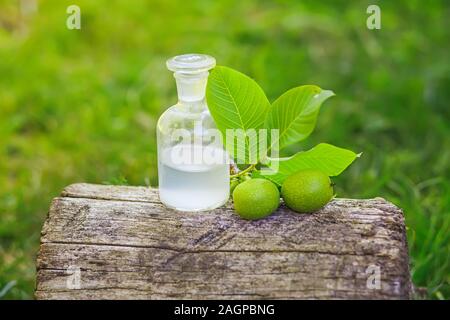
(246, 170)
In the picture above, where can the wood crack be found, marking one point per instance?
(190, 251)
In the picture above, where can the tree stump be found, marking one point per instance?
(116, 242)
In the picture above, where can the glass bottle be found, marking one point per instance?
(193, 168)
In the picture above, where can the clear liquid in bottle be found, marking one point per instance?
(191, 185)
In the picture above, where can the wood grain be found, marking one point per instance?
(127, 245)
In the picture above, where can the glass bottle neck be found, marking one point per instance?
(191, 88)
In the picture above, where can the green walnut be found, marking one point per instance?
(307, 190)
(256, 199)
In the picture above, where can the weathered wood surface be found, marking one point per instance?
(127, 245)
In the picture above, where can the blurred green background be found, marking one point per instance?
(81, 105)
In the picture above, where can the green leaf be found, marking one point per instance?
(295, 112)
(325, 157)
(237, 102)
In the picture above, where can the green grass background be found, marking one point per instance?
(82, 105)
